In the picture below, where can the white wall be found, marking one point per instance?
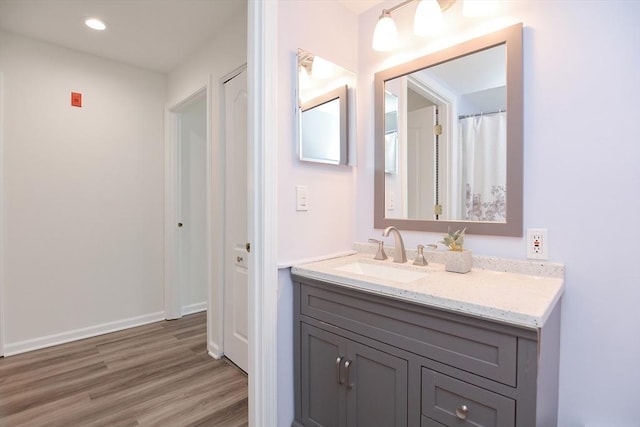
(328, 225)
(224, 53)
(327, 29)
(83, 194)
(581, 86)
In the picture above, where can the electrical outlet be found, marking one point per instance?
(537, 243)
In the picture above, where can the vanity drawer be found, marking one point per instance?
(430, 333)
(451, 402)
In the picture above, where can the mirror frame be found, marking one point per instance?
(512, 37)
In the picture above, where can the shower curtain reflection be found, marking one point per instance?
(482, 144)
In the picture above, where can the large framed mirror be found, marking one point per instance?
(323, 109)
(449, 139)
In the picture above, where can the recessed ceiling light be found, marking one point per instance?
(95, 24)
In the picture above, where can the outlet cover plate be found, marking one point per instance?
(537, 243)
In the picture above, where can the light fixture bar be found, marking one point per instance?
(444, 5)
(398, 6)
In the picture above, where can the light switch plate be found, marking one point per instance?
(302, 200)
(391, 200)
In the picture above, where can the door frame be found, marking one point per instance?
(172, 261)
(2, 296)
(262, 140)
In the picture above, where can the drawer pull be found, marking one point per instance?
(462, 412)
(338, 362)
(347, 365)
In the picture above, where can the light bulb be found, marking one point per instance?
(429, 18)
(385, 36)
(303, 76)
(321, 68)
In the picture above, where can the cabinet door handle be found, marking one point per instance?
(462, 412)
(347, 365)
(338, 362)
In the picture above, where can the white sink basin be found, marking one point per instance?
(382, 271)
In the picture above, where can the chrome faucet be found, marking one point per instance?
(399, 254)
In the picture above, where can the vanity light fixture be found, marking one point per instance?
(95, 24)
(314, 66)
(385, 36)
(427, 20)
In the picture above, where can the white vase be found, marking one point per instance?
(458, 262)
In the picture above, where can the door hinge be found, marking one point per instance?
(437, 209)
(437, 129)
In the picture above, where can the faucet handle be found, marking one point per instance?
(380, 254)
(420, 259)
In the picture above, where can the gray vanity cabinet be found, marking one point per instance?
(367, 360)
(350, 384)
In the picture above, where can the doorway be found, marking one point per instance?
(187, 278)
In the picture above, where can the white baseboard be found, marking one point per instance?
(78, 334)
(194, 308)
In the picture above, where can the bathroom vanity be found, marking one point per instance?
(383, 344)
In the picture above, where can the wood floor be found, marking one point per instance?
(154, 375)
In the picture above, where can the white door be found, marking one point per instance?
(236, 318)
(420, 163)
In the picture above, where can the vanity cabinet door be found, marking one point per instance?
(322, 378)
(346, 383)
(376, 388)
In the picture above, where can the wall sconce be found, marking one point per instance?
(427, 20)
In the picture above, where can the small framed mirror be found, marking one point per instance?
(323, 109)
(449, 139)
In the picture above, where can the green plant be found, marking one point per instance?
(454, 240)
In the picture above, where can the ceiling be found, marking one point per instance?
(359, 6)
(151, 34)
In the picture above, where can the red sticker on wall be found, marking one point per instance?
(76, 99)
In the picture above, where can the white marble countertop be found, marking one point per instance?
(523, 300)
